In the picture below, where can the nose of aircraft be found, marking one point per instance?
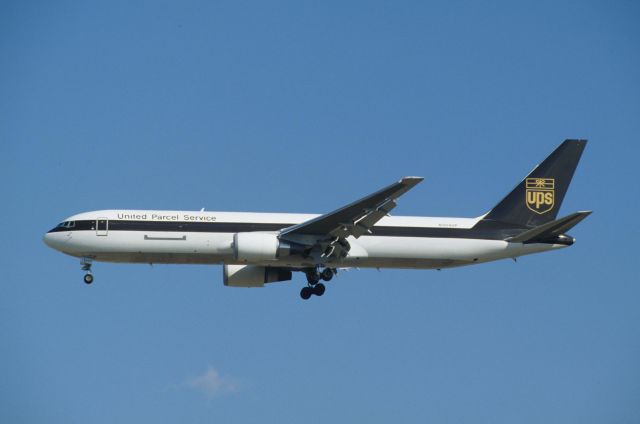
(54, 240)
(48, 240)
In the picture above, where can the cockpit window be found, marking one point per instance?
(67, 224)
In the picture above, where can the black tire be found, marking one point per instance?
(306, 292)
(319, 289)
(88, 278)
(313, 278)
(327, 274)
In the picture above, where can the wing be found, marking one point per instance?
(355, 219)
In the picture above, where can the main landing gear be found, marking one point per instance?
(86, 266)
(314, 285)
(318, 290)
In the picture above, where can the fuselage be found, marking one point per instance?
(185, 237)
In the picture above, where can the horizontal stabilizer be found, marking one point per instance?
(551, 229)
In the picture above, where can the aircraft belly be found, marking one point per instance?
(161, 258)
(425, 248)
(403, 263)
(157, 247)
(429, 253)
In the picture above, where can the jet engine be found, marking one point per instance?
(259, 247)
(253, 276)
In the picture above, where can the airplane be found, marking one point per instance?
(259, 248)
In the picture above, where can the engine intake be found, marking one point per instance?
(253, 276)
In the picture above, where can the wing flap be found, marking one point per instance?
(362, 225)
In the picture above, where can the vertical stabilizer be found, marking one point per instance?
(537, 199)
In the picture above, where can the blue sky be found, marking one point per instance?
(303, 107)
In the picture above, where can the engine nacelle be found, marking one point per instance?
(259, 247)
(252, 275)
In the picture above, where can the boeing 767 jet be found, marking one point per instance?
(260, 248)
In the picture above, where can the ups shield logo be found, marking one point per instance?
(540, 194)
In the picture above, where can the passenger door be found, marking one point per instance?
(102, 226)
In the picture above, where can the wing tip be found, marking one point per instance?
(411, 180)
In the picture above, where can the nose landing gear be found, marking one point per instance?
(86, 266)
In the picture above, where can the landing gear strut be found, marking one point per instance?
(86, 266)
(314, 285)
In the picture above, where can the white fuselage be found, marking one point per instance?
(157, 237)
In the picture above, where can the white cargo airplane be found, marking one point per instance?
(259, 248)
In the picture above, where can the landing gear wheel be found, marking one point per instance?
(313, 277)
(88, 278)
(318, 289)
(326, 274)
(306, 292)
